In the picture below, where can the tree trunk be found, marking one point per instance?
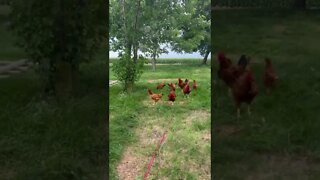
(301, 4)
(154, 62)
(63, 80)
(135, 41)
(135, 53)
(205, 59)
(128, 49)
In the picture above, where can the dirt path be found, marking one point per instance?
(9, 68)
(136, 157)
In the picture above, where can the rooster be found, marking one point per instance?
(172, 96)
(154, 97)
(270, 76)
(160, 85)
(186, 90)
(244, 90)
(229, 72)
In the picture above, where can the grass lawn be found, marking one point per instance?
(136, 126)
(281, 138)
(8, 49)
(46, 140)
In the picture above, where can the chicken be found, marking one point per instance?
(155, 97)
(187, 89)
(161, 85)
(172, 96)
(270, 76)
(181, 83)
(194, 86)
(172, 86)
(244, 89)
(229, 72)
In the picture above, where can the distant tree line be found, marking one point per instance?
(268, 3)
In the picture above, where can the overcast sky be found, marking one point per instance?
(171, 54)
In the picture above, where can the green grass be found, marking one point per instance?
(136, 126)
(282, 135)
(8, 48)
(49, 140)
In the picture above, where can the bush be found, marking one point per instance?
(127, 71)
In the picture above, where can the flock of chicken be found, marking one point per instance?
(240, 79)
(184, 85)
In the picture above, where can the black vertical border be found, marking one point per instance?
(107, 88)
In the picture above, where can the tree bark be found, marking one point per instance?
(135, 41)
(154, 62)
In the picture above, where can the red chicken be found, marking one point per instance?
(244, 89)
(181, 83)
(160, 85)
(229, 72)
(186, 89)
(172, 96)
(172, 86)
(194, 86)
(270, 76)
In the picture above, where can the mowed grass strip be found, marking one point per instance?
(280, 139)
(136, 126)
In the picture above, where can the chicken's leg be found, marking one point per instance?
(238, 113)
(229, 92)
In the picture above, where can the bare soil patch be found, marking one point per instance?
(197, 115)
(130, 166)
(163, 80)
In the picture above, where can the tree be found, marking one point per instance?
(125, 35)
(157, 29)
(194, 28)
(58, 35)
(139, 25)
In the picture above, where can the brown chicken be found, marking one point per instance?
(155, 97)
(229, 72)
(244, 90)
(186, 90)
(270, 76)
(172, 86)
(181, 83)
(161, 85)
(172, 96)
(194, 86)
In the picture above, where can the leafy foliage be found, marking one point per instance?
(53, 31)
(193, 28)
(127, 71)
